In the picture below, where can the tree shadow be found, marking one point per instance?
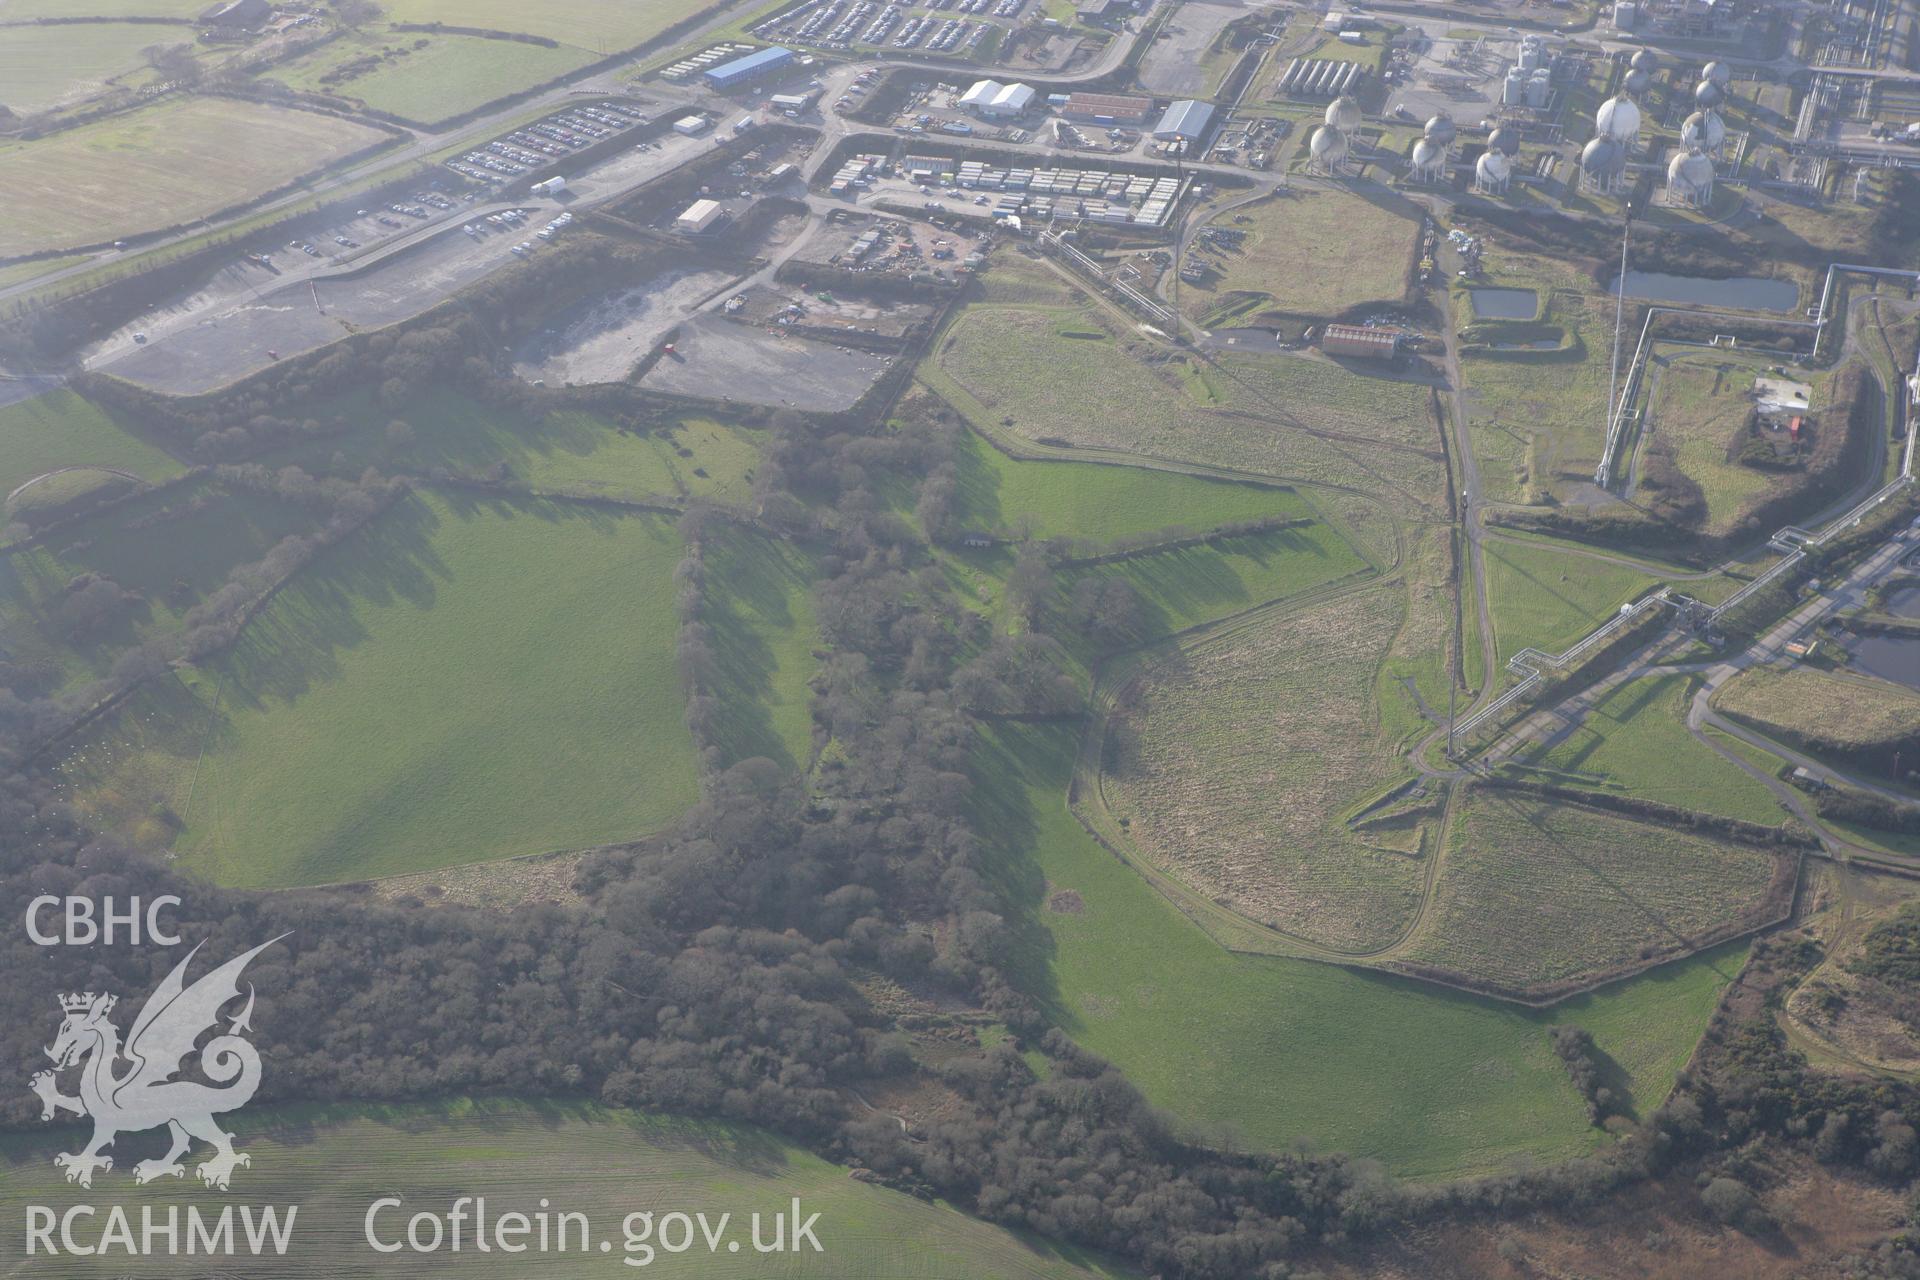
(1012, 764)
(751, 586)
(295, 643)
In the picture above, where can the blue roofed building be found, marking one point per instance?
(744, 70)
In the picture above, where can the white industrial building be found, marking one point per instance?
(691, 125)
(992, 99)
(699, 217)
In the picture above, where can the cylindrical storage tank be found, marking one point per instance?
(1505, 140)
(1344, 114)
(1328, 146)
(1440, 131)
(1293, 74)
(1717, 73)
(1626, 15)
(1515, 93)
(1619, 119)
(1708, 95)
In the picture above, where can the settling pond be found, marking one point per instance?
(1746, 293)
(1895, 658)
(1505, 304)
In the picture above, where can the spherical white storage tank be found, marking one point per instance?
(1440, 131)
(1645, 60)
(1604, 163)
(1505, 140)
(1619, 119)
(1344, 114)
(1492, 171)
(1690, 179)
(1636, 82)
(1703, 131)
(1709, 95)
(1717, 73)
(1428, 160)
(1328, 146)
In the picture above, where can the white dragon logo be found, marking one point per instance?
(146, 1095)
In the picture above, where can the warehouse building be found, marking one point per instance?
(762, 62)
(992, 99)
(689, 126)
(1185, 121)
(1106, 13)
(1107, 108)
(1360, 340)
(701, 216)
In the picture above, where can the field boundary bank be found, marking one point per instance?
(146, 488)
(236, 624)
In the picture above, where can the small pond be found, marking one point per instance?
(1746, 293)
(1895, 658)
(1505, 304)
(1904, 602)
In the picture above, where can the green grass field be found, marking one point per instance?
(1024, 370)
(1233, 761)
(1636, 739)
(1536, 893)
(585, 24)
(1177, 588)
(187, 157)
(44, 67)
(1063, 499)
(1271, 1051)
(59, 429)
(461, 681)
(568, 451)
(1186, 586)
(1322, 395)
(25, 10)
(1802, 705)
(1548, 599)
(1700, 406)
(604, 1163)
(1310, 254)
(1539, 418)
(428, 78)
(760, 608)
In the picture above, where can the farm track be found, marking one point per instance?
(122, 472)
